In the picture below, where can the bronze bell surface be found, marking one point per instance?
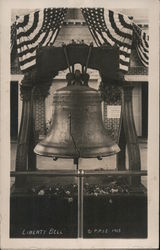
(77, 129)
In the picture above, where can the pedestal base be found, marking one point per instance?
(42, 217)
(55, 215)
(115, 216)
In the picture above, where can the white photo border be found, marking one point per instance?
(153, 137)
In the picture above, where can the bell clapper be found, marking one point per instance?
(99, 158)
(55, 158)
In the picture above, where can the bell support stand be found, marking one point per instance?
(25, 145)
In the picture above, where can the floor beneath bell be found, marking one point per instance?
(66, 164)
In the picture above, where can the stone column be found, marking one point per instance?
(25, 129)
(32, 90)
(130, 131)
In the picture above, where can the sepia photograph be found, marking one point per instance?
(81, 125)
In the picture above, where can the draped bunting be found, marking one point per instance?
(13, 35)
(110, 28)
(39, 28)
(107, 27)
(141, 40)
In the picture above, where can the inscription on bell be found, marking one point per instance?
(78, 108)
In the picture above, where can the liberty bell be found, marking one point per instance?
(77, 129)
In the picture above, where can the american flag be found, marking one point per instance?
(13, 35)
(141, 43)
(111, 28)
(36, 29)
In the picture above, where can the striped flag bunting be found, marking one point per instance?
(111, 28)
(13, 35)
(34, 30)
(141, 43)
(107, 27)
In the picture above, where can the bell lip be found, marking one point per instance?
(113, 150)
